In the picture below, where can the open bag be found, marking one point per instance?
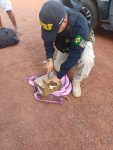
(52, 93)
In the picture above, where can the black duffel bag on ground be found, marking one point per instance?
(8, 37)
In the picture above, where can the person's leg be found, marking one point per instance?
(83, 68)
(109, 27)
(13, 20)
(1, 26)
(7, 7)
(111, 14)
(60, 58)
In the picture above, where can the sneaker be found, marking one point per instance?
(76, 91)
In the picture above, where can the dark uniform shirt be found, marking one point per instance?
(69, 41)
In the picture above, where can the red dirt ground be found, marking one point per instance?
(84, 123)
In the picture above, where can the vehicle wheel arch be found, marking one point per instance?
(96, 7)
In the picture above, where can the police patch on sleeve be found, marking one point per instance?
(78, 40)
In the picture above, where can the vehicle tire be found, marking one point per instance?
(91, 12)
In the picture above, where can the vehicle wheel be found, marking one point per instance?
(91, 12)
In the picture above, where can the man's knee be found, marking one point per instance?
(88, 61)
(60, 58)
(88, 55)
(57, 65)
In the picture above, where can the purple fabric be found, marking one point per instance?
(65, 90)
(66, 87)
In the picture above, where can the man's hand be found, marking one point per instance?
(54, 79)
(49, 65)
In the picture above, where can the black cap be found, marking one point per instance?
(51, 15)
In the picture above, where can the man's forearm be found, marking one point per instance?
(49, 49)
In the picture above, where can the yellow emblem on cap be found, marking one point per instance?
(46, 26)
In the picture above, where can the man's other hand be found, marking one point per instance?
(49, 65)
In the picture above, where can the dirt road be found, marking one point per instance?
(84, 123)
